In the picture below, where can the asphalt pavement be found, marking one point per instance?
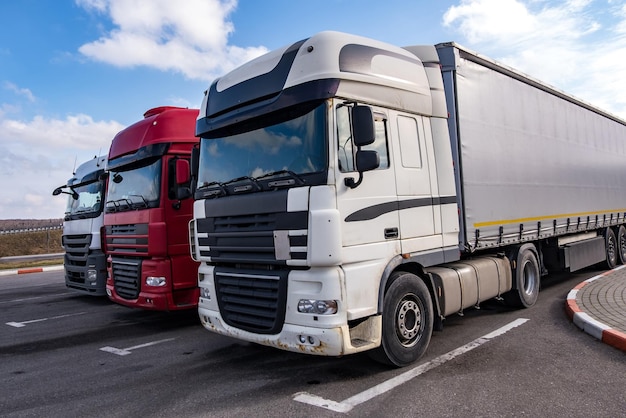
(596, 305)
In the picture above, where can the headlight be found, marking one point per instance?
(156, 281)
(318, 307)
(205, 293)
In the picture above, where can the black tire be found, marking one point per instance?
(621, 244)
(407, 321)
(526, 279)
(610, 243)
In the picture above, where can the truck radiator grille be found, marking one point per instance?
(127, 239)
(76, 252)
(252, 300)
(251, 238)
(126, 277)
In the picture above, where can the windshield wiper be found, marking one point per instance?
(294, 177)
(220, 190)
(245, 188)
(116, 205)
(138, 204)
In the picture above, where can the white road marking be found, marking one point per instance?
(127, 351)
(347, 404)
(32, 321)
(35, 297)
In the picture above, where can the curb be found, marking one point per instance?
(592, 326)
(30, 270)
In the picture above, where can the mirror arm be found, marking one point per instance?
(349, 181)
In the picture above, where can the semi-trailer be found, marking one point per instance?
(147, 212)
(84, 261)
(352, 194)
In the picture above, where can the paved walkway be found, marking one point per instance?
(598, 307)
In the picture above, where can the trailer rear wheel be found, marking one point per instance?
(527, 276)
(621, 244)
(407, 321)
(611, 248)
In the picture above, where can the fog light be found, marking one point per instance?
(92, 275)
(109, 293)
(205, 293)
(156, 281)
(318, 307)
(308, 340)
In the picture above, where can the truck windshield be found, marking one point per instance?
(295, 148)
(89, 202)
(134, 187)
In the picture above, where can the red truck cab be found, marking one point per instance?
(147, 211)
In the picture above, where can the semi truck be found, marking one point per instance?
(352, 194)
(147, 212)
(84, 260)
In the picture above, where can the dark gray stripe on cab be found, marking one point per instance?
(375, 211)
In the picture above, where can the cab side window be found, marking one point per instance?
(346, 150)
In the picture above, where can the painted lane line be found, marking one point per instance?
(127, 351)
(32, 321)
(36, 297)
(348, 404)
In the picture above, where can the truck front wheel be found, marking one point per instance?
(407, 321)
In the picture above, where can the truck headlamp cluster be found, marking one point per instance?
(156, 281)
(317, 307)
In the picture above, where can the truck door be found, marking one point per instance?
(368, 212)
(420, 223)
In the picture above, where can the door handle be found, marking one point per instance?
(391, 233)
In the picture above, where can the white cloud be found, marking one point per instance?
(40, 154)
(75, 132)
(191, 39)
(574, 45)
(19, 91)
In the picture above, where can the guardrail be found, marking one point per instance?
(34, 257)
(33, 229)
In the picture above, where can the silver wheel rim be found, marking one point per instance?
(408, 321)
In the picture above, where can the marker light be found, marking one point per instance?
(317, 307)
(156, 281)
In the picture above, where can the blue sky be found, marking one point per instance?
(74, 73)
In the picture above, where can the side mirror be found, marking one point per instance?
(183, 193)
(117, 178)
(363, 133)
(367, 160)
(60, 190)
(363, 126)
(195, 165)
(183, 175)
